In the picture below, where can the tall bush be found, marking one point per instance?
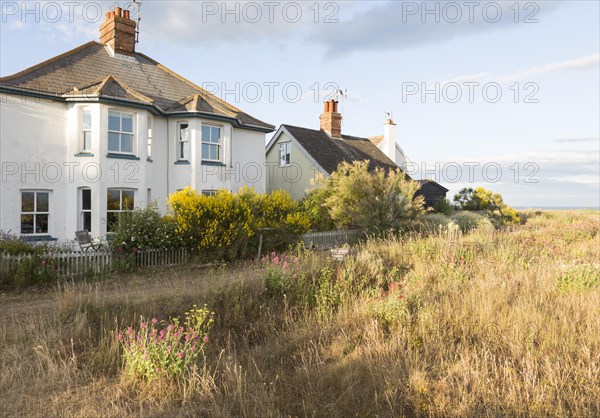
(373, 201)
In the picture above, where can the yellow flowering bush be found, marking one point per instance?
(229, 220)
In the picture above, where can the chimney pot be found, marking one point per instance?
(331, 120)
(118, 31)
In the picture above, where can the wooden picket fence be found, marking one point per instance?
(330, 239)
(78, 263)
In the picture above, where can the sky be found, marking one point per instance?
(499, 94)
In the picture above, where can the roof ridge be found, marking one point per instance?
(48, 61)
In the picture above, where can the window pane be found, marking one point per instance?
(127, 123)
(87, 119)
(113, 142)
(41, 224)
(114, 121)
(42, 202)
(87, 221)
(205, 133)
(113, 201)
(86, 199)
(205, 152)
(215, 134)
(126, 143)
(185, 150)
(111, 221)
(87, 141)
(127, 200)
(27, 201)
(213, 152)
(183, 132)
(26, 224)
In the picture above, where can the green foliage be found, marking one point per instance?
(468, 221)
(166, 350)
(313, 207)
(227, 221)
(443, 206)
(144, 229)
(484, 200)
(374, 201)
(434, 222)
(13, 245)
(580, 278)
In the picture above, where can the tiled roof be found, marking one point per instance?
(91, 71)
(330, 152)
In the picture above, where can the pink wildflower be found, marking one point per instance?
(143, 325)
(180, 354)
(120, 337)
(154, 320)
(206, 338)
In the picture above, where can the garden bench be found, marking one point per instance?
(85, 241)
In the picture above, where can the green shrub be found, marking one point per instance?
(468, 221)
(374, 201)
(434, 222)
(144, 229)
(443, 206)
(484, 200)
(313, 207)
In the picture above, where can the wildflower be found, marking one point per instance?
(154, 320)
(180, 354)
(120, 337)
(206, 338)
(285, 264)
(143, 325)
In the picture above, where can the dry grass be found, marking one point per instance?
(494, 324)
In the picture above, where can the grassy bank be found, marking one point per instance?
(489, 323)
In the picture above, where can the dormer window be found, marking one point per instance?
(120, 132)
(211, 143)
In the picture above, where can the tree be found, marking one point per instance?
(484, 200)
(374, 201)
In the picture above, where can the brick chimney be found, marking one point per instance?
(331, 120)
(118, 31)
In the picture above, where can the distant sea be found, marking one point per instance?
(558, 207)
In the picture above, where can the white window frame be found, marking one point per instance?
(35, 212)
(121, 132)
(84, 131)
(150, 127)
(285, 154)
(218, 144)
(181, 155)
(83, 211)
(120, 210)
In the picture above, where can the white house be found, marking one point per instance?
(103, 128)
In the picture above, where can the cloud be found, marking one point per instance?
(571, 140)
(407, 24)
(582, 63)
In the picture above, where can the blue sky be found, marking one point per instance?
(537, 142)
